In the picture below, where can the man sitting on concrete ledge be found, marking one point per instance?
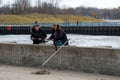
(38, 36)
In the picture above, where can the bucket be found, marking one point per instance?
(58, 43)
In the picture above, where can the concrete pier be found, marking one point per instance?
(83, 59)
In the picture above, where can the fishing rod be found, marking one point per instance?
(54, 54)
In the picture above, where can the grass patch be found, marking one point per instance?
(30, 18)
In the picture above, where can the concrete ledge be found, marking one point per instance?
(86, 59)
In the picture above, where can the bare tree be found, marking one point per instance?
(50, 6)
(22, 6)
(6, 9)
(47, 6)
(55, 4)
(39, 5)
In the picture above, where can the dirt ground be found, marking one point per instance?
(24, 73)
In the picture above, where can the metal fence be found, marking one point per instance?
(86, 28)
(69, 24)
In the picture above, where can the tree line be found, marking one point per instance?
(52, 7)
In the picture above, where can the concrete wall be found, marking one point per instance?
(93, 60)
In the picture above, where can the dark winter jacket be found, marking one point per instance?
(39, 36)
(59, 35)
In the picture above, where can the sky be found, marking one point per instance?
(85, 3)
(92, 3)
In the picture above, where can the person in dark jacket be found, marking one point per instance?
(38, 35)
(58, 35)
